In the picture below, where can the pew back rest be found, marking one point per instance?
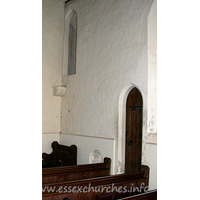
(113, 181)
(76, 172)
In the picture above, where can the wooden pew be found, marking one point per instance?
(61, 155)
(89, 189)
(149, 195)
(68, 173)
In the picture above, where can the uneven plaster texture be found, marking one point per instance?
(111, 53)
(150, 145)
(152, 69)
(52, 53)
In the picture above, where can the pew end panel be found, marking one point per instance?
(146, 170)
(61, 155)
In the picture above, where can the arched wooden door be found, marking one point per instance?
(134, 107)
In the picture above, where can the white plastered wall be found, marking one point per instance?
(52, 54)
(150, 145)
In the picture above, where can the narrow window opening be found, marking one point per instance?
(72, 45)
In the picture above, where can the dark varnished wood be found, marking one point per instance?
(104, 196)
(121, 180)
(150, 195)
(134, 107)
(61, 155)
(76, 172)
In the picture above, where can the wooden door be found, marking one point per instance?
(134, 107)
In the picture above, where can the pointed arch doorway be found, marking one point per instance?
(133, 138)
